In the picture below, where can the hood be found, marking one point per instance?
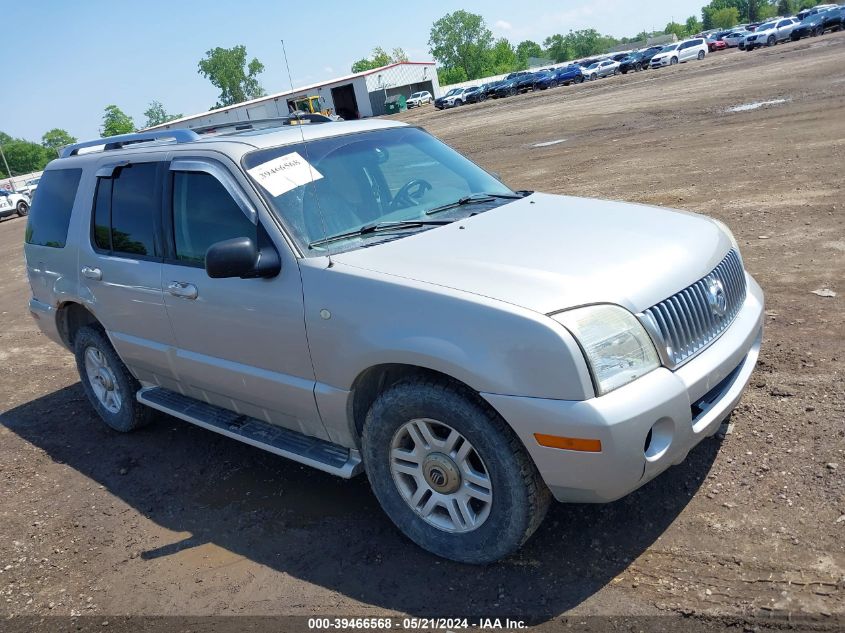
(547, 253)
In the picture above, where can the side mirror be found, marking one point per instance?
(240, 257)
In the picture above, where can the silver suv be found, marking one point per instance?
(358, 296)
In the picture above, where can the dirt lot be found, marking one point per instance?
(176, 520)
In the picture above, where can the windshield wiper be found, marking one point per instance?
(377, 227)
(474, 198)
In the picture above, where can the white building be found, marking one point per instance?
(352, 97)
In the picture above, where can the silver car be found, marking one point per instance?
(359, 297)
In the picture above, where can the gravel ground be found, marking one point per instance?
(173, 520)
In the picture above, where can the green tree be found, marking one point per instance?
(23, 156)
(461, 40)
(116, 121)
(502, 58)
(56, 139)
(398, 54)
(380, 58)
(449, 76)
(707, 12)
(156, 114)
(693, 26)
(725, 18)
(766, 11)
(559, 48)
(526, 49)
(228, 70)
(786, 7)
(678, 29)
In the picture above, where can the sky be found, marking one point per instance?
(69, 60)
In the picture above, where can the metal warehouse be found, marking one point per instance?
(352, 97)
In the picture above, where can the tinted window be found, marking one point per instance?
(50, 213)
(204, 213)
(125, 209)
(134, 205)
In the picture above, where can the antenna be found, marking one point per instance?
(307, 158)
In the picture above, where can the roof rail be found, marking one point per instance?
(122, 140)
(293, 119)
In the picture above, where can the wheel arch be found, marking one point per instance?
(70, 318)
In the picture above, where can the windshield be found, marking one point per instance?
(666, 49)
(593, 65)
(388, 175)
(766, 27)
(416, 94)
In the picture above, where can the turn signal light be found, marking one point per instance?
(568, 443)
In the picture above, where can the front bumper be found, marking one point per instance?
(680, 408)
(660, 63)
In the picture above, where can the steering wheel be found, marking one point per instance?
(415, 188)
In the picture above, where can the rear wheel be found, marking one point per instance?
(107, 382)
(450, 473)
(579, 79)
(22, 208)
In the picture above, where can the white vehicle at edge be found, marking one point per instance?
(12, 202)
(770, 33)
(733, 38)
(695, 48)
(419, 98)
(454, 98)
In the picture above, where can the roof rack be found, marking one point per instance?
(254, 124)
(122, 140)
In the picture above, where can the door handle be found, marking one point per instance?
(182, 289)
(92, 273)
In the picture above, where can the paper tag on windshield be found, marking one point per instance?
(284, 173)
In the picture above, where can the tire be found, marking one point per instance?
(579, 79)
(554, 84)
(673, 61)
(772, 40)
(700, 55)
(638, 67)
(518, 499)
(125, 413)
(458, 103)
(593, 77)
(22, 208)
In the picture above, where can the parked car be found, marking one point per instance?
(604, 68)
(545, 79)
(771, 33)
(633, 62)
(419, 98)
(569, 74)
(12, 203)
(735, 38)
(648, 54)
(810, 26)
(474, 94)
(714, 45)
(453, 99)
(680, 52)
(814, 10)
(833, 19)
(440, 102)
(490, 88)
(507, 88)
(29, 187)
(477, 351)
(525, 82)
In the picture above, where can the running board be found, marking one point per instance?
(325, 456)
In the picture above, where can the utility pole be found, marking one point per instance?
(8, 171)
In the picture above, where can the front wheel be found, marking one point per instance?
(107, 382)
(772, 40)
(673, 61)
(450, 473)
(700, 55)
(22, 208)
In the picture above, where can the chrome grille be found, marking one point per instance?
(687, 322)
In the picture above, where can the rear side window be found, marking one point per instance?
(125, 210)
(50, 214)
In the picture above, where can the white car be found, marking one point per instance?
(13, 202)
(454, 98)
(735, 37)
(419, 98)
(770, 33)
(680, 52)
(604, 68)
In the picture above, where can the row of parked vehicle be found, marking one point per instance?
(811, 22)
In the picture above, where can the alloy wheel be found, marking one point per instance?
(102, 380)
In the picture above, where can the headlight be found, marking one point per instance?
(727, 231)
(617, 348)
